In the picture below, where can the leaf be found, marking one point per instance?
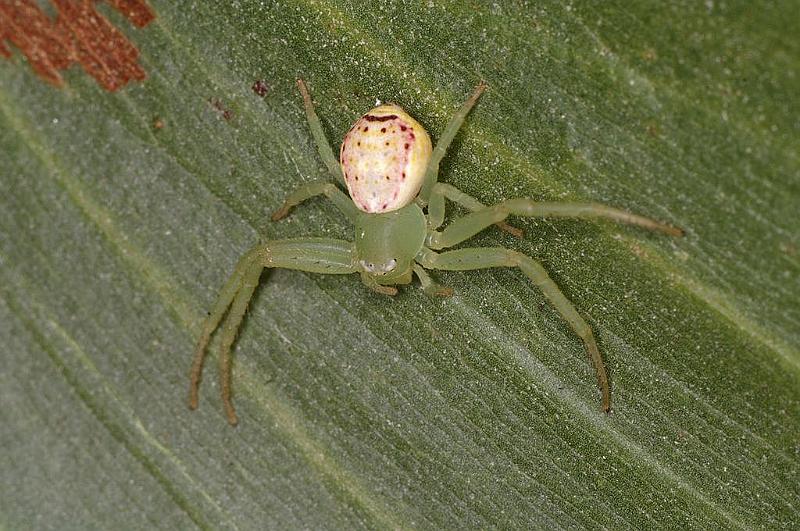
(123, 213)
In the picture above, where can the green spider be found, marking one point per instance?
(390, 169)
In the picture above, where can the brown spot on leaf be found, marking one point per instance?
(649, 55)
(137, 11)
(4, 51)
(217, 104)
(260, 87)
(788, 248)
(79, 34)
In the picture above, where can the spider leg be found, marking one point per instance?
(432, 171)
(330, 190)
(323, 146)
(429, 286)
(247, 263)
(372, 284)
(479, 258)
(229, 330)
(471, 224)
(442, 191)
(315, 255)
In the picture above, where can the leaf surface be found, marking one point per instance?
(123, 213)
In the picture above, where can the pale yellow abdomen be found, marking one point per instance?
(383, 158)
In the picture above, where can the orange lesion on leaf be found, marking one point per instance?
(137, 11)
(4, 51)
(79, 34)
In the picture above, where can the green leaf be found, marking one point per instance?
(358, 410)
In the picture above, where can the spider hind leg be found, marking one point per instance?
(315, 255)
(485, 257)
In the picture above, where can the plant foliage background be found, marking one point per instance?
(365, 411)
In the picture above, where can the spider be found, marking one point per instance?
(390, 168)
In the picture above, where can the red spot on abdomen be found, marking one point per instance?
(78, 34)
(371, 118)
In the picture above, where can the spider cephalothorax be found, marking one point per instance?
(397, 206)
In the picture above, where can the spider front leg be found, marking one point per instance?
(323, 146)
(429, 286)
(315, 255)
(480, 258)
(247, 264)
(370, 282)
(471, 224)
(330, 190)
(432, 171)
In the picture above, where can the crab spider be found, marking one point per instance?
(390, 169)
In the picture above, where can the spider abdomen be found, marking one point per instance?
(383, 158)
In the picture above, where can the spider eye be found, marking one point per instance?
(372, 267)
